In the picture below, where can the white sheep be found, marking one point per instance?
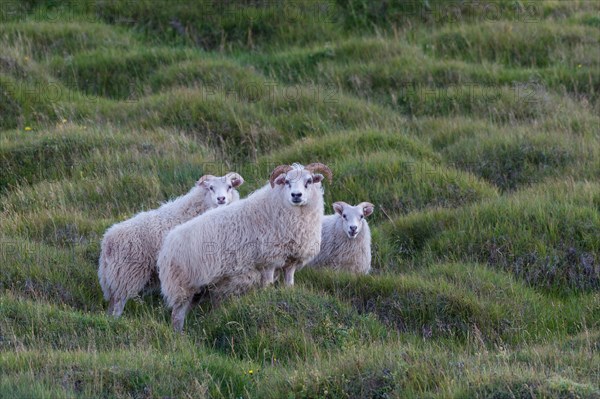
(276, 227)
(346, 239)
(238, 285)
(129, 249)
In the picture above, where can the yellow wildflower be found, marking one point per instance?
(28, 128)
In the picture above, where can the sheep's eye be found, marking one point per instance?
(309, 181)
(212, 188)
(344, 216)
(362, 216)
(228, 187)
(287, 181)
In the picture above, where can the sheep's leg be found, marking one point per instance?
(117, 306)
(267, 276)
(178, 314)
(289, 275)
(111, 306)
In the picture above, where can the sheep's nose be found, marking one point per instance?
(296, 195)
(221, 199)
(353, 228)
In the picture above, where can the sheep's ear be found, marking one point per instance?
(280, 179)
(317, 178)
(367, 207)
(204, 180)
(236, 179)
(338, 207)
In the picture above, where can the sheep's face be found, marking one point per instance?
(221, 189)
(300, 185)
(353, 217)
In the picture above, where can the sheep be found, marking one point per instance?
(278, 227)
(346, 239)
(130, 248)
(237, 285)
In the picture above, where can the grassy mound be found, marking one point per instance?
(408, 369)
(472, 127)
(114, 73)
(25, 103)
(33, 327)
(213, 25)
(396, 173)
(514, 159)
(212, 76)
(464, 302)
(40, 272)
(547, 243)
(43, 158)
(416, 184)
(44, 39)
(121, 374)
(113, 195)
(280, 324)
(527, 45)
(349, 144)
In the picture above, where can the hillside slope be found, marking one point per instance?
(474, 128)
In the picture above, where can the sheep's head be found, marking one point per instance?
(299, 182)
(353, 217)
(221, 189)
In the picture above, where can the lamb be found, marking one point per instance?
(278, 227)
(346, 239)
(129, 249)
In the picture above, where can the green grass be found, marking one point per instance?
(274, 324)
(474, 134)
(528, 45)
(47, 39)
(549, 243)
(462, 302)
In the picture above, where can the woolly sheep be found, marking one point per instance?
(276, 227)
(346, 239)
(129, 249)
(237, 285)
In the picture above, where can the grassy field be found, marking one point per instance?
(474, 127)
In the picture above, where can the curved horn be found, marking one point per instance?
(235, 178)
(204, 178)
(277, 171)
(319, 167)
